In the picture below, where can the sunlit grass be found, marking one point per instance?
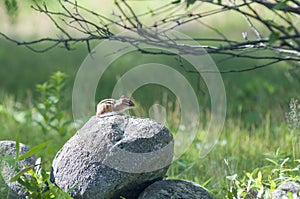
(238, 149)
(236, 152)
(18, 121)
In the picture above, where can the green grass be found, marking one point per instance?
(255, 130)
(250, 94)
(239, 149)
(255, 127)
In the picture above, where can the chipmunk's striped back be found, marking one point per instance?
(105, 106)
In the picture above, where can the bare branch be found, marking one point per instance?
(56, 42)
(279, 37)
(247, 69)
(287, 8)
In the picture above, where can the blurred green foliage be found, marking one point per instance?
(261, 182)
(21, 69)
(11, 7)
(50, 106)
(250, 95)
(47, 119)
(246, 158)
(257, 102)
(241, 154)
(51, 116)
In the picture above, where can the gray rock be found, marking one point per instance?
(12, 189)
(175, 189)
(113, 155)
(281, 192)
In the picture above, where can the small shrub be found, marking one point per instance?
(51, 115)
(261, 182)
(34, 178)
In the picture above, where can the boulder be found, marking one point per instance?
(112, 156)
(12, 189)
(175, 189)
(282, 191)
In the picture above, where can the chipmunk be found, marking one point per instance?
(110, 105)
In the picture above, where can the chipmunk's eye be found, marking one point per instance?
(129, 102)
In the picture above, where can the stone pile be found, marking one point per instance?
(119, 156)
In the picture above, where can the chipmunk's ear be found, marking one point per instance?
(123, 97)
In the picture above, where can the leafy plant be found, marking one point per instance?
(33, 177)
(51, 113)
(51, 116)
(280, 167)
(261, 182)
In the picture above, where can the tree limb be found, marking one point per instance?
(280, 37)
